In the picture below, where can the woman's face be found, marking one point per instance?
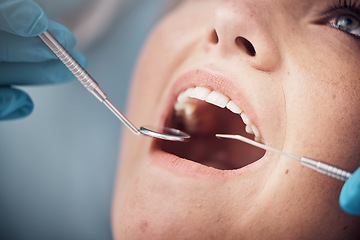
(292, 67)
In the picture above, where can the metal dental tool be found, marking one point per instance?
(90, 84)
(320, 167)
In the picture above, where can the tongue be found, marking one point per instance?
(208, 150)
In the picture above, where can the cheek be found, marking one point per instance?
(322, 95)
(323, 110)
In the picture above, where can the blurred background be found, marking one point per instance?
(58, 166)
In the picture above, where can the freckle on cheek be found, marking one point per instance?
(287, 171)
(143, 226)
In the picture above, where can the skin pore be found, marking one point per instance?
(293, 70)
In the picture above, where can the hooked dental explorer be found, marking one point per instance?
(90, 84)
(320, 167)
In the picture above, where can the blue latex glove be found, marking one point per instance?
(24, 58)
(350, 194)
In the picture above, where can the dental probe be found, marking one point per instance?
(90, 84)
(320, 167)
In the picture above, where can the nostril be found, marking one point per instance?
(243, 42)
(240, 42)
(214, 38)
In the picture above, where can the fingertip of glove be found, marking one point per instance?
(24, 18)
(14, 104)
(26, 107)
(350, 194)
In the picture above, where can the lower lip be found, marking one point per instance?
(189, 168)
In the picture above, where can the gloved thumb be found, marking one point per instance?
(350, 194)
(22, 17)
(14, 103)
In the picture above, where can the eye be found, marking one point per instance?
(347, 23)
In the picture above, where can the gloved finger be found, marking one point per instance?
(38, 73)
(14, 103)
(22, 17)
(19, 49)
(350, 194)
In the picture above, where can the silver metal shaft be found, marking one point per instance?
(318, 166)
(84, 77)
(121, 117)
(326, 169)
(256, 144)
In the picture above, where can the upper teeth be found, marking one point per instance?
(186, 109)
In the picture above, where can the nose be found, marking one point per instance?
(243, 30)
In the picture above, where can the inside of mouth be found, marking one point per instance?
(204, 147)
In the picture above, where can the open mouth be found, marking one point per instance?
(202, 113)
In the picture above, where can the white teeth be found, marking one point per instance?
(259, 139)
(233, 107)
(186, 109)
(255, 131)
(217, 99)
(245, 118)
(182, 97)
(200, 93)
(179, 106)
(186, 112)
(248, 129)
(190, 109)
(190, 121)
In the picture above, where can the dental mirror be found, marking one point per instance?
(164, 133)
(92, 86)
(170, 134)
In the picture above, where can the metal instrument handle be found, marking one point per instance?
(326, 169)
(79, 72)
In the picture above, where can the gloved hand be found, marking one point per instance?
(24, 58)
(350, 194)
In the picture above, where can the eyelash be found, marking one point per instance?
(345, 8)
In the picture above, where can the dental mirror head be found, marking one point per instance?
(165, 133)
